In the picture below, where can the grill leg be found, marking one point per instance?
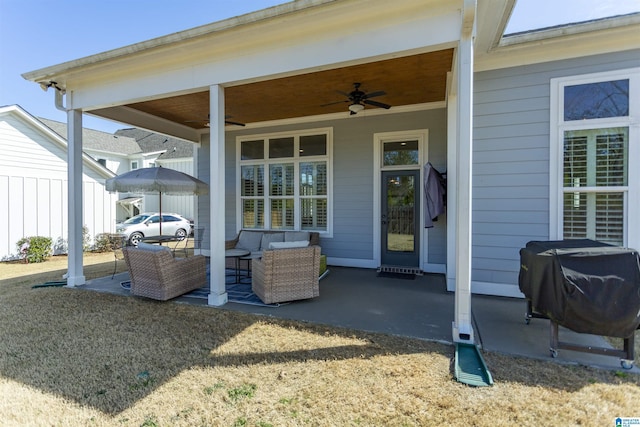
(629, 350)
(553, 345)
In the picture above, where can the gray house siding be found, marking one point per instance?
(511, 159)
(353, 175)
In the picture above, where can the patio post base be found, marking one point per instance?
(217, 299)
(74, 281)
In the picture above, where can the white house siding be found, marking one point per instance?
(180, 204)
(33, 187)
(353, 187)
(511, 162)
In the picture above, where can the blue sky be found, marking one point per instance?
(39, 33)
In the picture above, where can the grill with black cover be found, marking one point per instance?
(584, 285)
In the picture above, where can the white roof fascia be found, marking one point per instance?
(154, 153)
(44, 74)
(333, 34)
(569, 29)
(105, 152)
(54, 137)
(571, 41)
(129, 200)
(492, 19)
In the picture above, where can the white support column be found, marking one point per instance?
(197, 154)
(463, 325)
(75, 275)
(217, 294)
(452, 182)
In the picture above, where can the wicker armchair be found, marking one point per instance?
(156, 274)
(287, 274)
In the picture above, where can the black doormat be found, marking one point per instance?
(391, 275)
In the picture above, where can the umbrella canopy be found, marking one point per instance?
(157, 180)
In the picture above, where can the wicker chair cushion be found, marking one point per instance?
(153, 248)
(249, 240)
(289, 245)
(296, 236)
(268, 238)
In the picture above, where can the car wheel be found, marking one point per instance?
(181, 233)
(135, 238)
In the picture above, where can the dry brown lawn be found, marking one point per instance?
(71, 357)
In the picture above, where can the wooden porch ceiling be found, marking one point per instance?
(407, 80)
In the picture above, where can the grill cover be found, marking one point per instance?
(587, 286)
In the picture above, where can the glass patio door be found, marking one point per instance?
(400, 221)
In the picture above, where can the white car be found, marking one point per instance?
(148, 224)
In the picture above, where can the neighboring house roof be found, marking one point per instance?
(97, 140)
(128, 141)
(151, 142)
(54, 136)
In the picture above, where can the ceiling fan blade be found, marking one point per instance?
(334, 103)
(229, 122)
(377, 104)
(374, 94)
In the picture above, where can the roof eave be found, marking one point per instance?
(571, 29)
(47, 73)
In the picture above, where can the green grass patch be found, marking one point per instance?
(245, 391)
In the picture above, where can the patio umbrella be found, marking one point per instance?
(157, 180)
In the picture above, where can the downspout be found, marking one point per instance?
(59, 94)
(59, 99)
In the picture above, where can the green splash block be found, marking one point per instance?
(470, 367)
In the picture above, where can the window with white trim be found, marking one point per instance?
(285, 181)
(596, 121)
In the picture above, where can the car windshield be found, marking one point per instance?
(136, 219)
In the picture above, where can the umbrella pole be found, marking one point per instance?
(160, 214)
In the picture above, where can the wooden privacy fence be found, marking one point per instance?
(400, 220)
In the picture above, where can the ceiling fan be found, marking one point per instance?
(206, 121)
(358, 98)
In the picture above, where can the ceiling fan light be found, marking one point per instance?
(356, 108)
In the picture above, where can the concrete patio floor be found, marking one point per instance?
(422, 308)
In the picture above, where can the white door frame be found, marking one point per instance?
(422, 136)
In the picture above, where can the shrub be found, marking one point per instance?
(102, 242)
(60, 246)
(86, 239)
(106, 242)
(34, 249)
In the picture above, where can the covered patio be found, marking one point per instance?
(357, 299)
(289, 67)
(252, 90)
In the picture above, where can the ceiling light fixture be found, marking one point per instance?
(356, 108)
